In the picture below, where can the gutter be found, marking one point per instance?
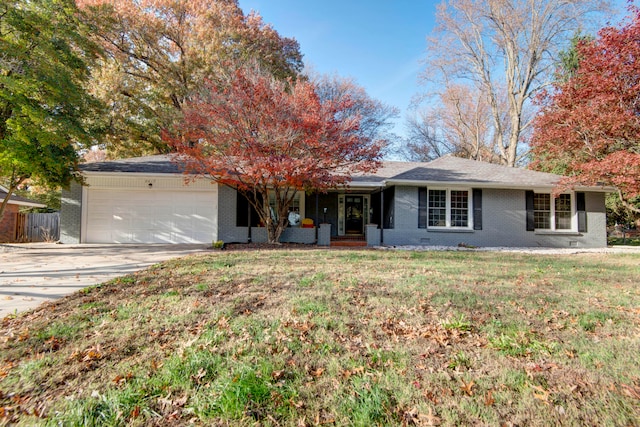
(493, 185)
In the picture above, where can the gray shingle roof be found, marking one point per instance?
(443, 170)
(162, 163)
(456, 170)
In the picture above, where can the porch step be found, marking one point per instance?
(348, 237)
(348, 243)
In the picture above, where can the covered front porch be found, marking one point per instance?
(351, 212)
(343, 217)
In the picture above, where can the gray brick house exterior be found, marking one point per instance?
(449, 201)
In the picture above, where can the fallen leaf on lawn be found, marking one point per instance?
(299, 404)
(467, 387)
(541, 394)
(4, 370)
(315, 373)
(428, 419)
(155, 365)
(199, 376)
(431, 396)
(631, 391)
(488, 399)
(135, 413)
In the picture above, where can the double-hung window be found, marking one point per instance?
(552, 213)
(444, 208)
(437, 208)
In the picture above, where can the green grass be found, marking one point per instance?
(354, 338)
(628, 241)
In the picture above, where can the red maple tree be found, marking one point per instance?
(269, 139)
(589, 127)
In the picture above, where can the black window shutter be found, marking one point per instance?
(529, 206)
(242, 210)
(422, 208)
(477, 209)
(388, 208)
(581, 207)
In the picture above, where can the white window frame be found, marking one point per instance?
(552, 218)
(448, 225)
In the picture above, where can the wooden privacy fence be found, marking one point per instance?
(38, 227)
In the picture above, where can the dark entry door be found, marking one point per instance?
(354, 218)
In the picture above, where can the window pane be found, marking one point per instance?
(541, 220)
(459, 208)
(437, 208)
(542, 202)
(563, 212)
(542, 211)
(437, 198)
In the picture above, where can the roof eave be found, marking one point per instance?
(156, 174)
(493, 185)
(29, 204)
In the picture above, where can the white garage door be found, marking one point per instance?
(138, 216)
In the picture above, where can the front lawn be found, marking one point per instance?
(329, 337)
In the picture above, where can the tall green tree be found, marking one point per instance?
(159, 53)
(569, 59)
(44, 59)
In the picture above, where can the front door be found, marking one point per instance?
(354, 215)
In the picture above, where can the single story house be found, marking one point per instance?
(449, 201)
(10, 223)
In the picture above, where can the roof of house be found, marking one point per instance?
(17, 200)
(451, 169)
(161, 163)
(448, 169)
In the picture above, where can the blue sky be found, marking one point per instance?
(379, 43)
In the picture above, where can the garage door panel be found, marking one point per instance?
(126, 216)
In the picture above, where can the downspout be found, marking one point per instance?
(382, 216)
(317, 216)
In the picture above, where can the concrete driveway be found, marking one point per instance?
(31, 274)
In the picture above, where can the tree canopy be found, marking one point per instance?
(376, 118)
(44, 106)
(159, 52)
(459, 125)
(589, 126)
(269, 139)
(505, 51)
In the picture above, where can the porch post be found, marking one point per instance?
(248, 222)
(317, 224)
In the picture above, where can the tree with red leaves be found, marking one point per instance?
(589, 127)
(269, 139)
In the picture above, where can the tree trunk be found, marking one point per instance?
(3, 206)
(274, 227)
(10, 191)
